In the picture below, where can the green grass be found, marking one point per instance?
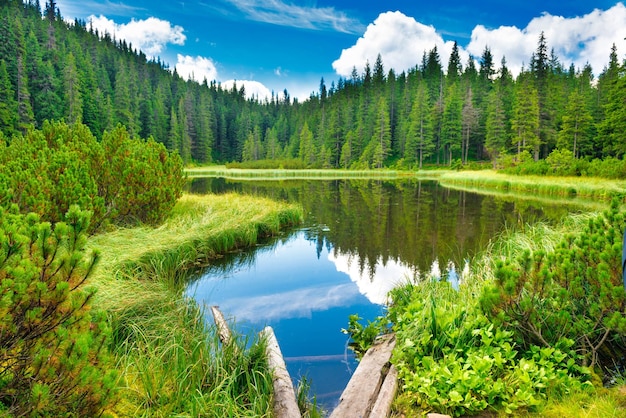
(310, 174)
(170, 361)
(585, 187)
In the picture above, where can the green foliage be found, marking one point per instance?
(453, 360)
(363, 336)
(291, 164)
(574, 294)
(118, 179)
(52, 356)
(139, 180)
(52, 70)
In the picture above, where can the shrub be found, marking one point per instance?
(575, 293)
(52, 356)
(119, 180)
(452, 359)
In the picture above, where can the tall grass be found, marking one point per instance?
(513, 241)
(586, 187)
(171, 362)
(294, 174)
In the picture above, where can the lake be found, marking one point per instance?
(360, 238)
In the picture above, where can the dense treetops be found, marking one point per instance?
(51, 70)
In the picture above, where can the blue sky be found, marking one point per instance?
(272, 45)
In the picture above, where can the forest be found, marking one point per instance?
(473, 111)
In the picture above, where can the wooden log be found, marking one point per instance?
(359, 397)
(222, 326)
(285, 403)
(382, 407)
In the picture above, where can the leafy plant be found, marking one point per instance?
(363, 336)
(453, 360)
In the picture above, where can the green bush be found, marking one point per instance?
(121, 179)
(53, 360)
(574, 294)
(452, 359)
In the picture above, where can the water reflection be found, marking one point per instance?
(360, 239)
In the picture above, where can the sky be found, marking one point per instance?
(272, 45)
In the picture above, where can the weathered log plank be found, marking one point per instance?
(285, 404)
(387, 394)
(222, 327)
(359, 397)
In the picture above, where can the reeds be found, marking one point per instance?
(170, 361)
(585, 187)
(293, 174)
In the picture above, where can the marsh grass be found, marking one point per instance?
(586, 187)
(291, 174)
(170, 361)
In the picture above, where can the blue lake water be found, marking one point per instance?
(359, 240)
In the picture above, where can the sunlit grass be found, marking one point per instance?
(293, 174)
(587, 187)
(170, 361)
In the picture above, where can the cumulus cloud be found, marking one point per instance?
(149, 35)
(253, 88)
(578, 40)
(277, 12)
(401, 42)
(196, 68)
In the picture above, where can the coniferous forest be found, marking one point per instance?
(469, 111)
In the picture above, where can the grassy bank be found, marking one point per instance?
(434, 316)
(585, 187)
(310, 174)
(169, 361)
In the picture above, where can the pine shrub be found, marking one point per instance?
(53, 360)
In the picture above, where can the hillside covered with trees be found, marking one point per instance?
(52, 70)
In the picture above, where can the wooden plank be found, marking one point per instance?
(285, 404)
(222, 326)
(359, 397)
(382, 407)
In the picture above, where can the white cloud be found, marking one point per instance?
(300, 303)
(374, 285)
(577, 40)
(399, 39)
(196, 68)
(253, 88)
(149, 35)
(278, 12)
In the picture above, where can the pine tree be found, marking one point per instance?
(307, 152)
(496, 129)
(381, 137)
(8, 105)
(454, 65)
(575, 133)
(525, 122)
(420, 139)
(73, 97)
(470, 118)
(451, 129)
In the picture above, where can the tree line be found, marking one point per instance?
(52, 70)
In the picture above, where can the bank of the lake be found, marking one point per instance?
(472, 180)
(584, 187)
(168, 359)
(553, 397)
